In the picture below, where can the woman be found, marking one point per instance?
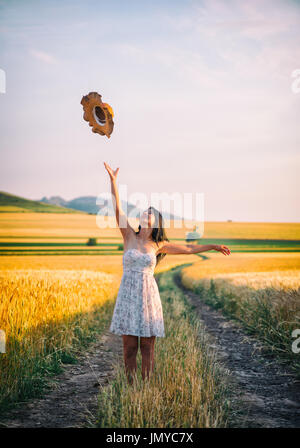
(138, 309)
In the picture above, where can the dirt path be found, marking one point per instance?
(72, 402)
(266, 394)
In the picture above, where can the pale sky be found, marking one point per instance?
(201, 92)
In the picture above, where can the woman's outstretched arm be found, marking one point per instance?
(171, 248)
(121, 218)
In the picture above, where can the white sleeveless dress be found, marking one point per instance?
(138, 309)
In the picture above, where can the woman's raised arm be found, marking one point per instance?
(171, 248)
(122, 220)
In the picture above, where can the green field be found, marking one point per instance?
(103, 248)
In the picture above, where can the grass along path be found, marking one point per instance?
(264, 393)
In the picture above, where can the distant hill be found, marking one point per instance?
(54, 200)
(98, 205)
(88, 204)
(18, 204)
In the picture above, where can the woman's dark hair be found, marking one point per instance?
(158, 232)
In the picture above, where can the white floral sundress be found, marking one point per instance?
(138, 309)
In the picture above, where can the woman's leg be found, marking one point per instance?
(130, 349)
(152, 358)
(147, 351)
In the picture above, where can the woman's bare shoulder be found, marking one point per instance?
(160, 245)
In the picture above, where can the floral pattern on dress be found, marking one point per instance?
(138, 309)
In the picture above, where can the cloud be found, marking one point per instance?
(43, 56)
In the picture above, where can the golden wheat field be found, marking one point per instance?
(73, 225)
(46, 312)
(242, 263)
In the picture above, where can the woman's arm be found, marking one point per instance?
(171, 248)
(122, 220)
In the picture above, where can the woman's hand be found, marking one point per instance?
(112, 173)
(223, 249)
